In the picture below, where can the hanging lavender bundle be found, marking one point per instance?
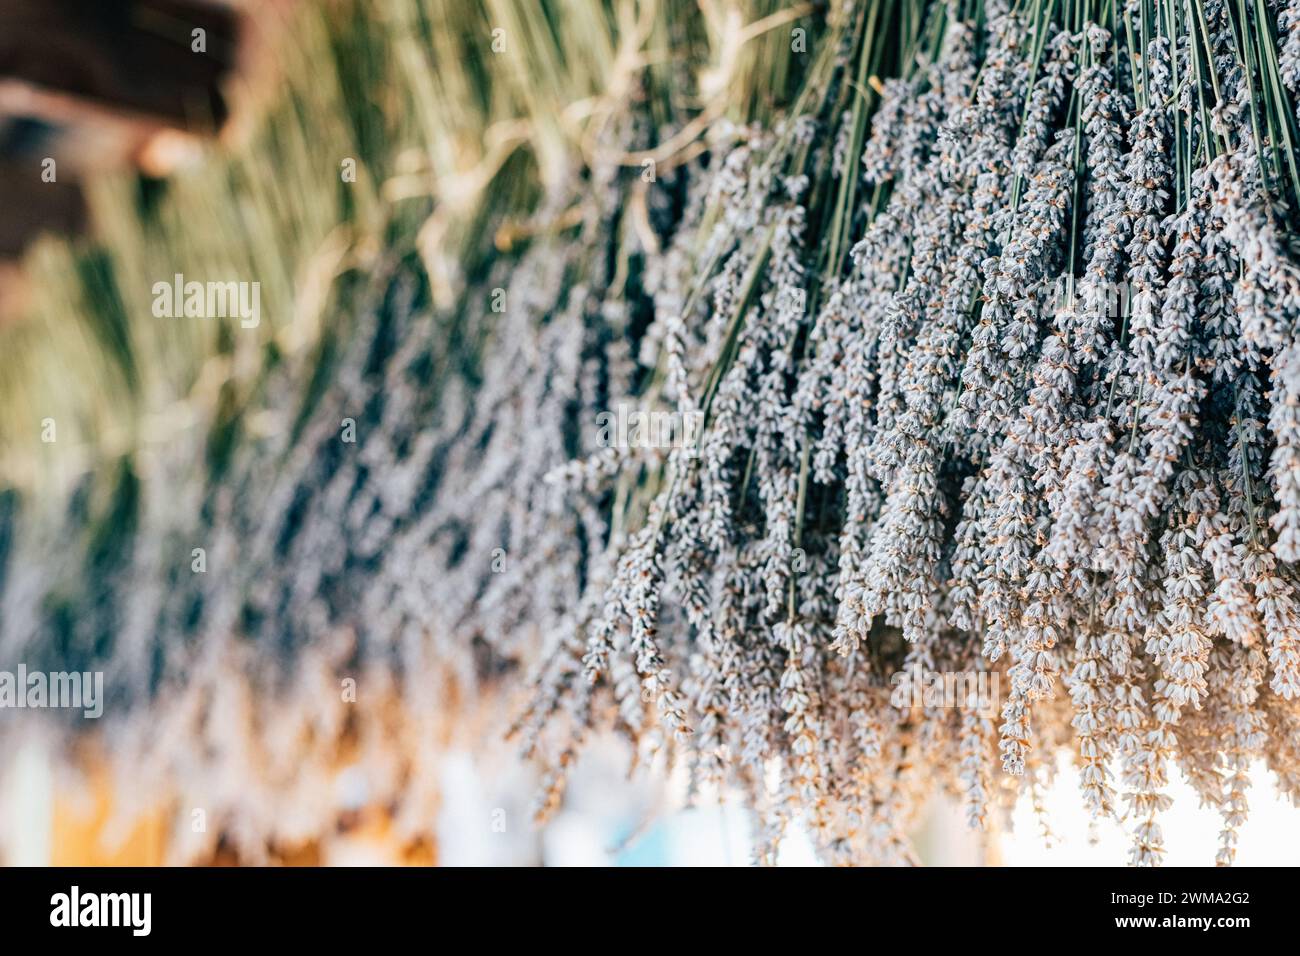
(997, 371)
(881, 398)
(339, 563)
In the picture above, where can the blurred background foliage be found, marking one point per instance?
(454, 148)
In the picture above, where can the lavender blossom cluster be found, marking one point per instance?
(998, 368)
(1044, 424)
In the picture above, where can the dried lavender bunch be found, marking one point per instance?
(360, 555)
(980, 365)
(1032, 424)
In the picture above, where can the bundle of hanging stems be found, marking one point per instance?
(986, 312)
(993, 338)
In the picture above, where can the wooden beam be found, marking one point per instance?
(133, 58)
